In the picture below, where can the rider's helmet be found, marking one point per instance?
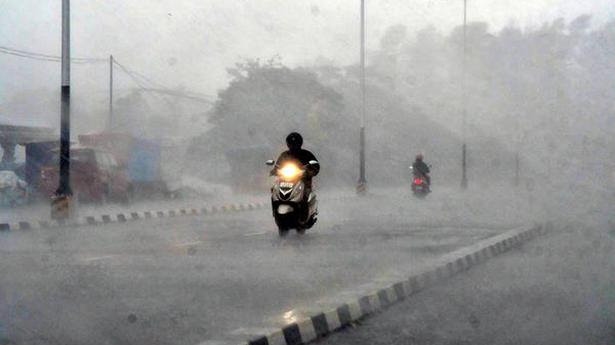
(294, 141)
(419, 157)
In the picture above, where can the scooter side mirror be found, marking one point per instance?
(270, 162)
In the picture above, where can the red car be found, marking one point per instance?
(95, 176)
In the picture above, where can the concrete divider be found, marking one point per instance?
(325, 322)
(131, 216)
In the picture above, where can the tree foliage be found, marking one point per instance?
(266, 101)
(546, 92)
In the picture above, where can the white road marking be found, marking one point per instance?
(186, 244)
(216, 342)
(96, 258)
(253, 331)
(256, 233)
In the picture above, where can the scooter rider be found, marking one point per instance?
(294, 141)
(421, 169)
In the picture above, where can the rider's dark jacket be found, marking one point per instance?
(420, 167)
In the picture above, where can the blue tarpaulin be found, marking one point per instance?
(144, 162)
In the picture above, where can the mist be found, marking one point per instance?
(533, 71)
(204, 92)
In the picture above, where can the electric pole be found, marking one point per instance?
(110, 121)
(362, 184)
(464, 176)
(517, 167)
(62, 199)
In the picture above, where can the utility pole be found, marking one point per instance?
(362, 184)
(464, 176)
(517, 175)
(60, 205)
(110, 121)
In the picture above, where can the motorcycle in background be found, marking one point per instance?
(420, 187)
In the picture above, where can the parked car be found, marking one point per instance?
(95, 176)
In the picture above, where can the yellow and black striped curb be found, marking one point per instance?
(326, 322)
(132, 216)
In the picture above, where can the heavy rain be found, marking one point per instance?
(450, 179)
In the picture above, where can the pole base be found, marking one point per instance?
(62, 207)
(362, 188)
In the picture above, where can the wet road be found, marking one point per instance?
(225, 278)
(557, 289)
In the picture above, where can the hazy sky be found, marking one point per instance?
(190, 43)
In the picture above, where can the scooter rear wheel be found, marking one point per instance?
(420, 195)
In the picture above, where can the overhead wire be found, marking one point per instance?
(152, 86)
(28, 56)
(132, 76)
(46, 57)
(144, 83)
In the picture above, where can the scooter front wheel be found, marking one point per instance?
(283, 225)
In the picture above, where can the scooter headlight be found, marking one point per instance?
(290, 171)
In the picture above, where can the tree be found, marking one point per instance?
(266, 101)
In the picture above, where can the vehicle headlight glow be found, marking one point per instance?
(290, 171)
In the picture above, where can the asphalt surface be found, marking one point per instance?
(225, 278)
(558, 289)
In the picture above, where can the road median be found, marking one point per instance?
(131, 216)
(329, 321)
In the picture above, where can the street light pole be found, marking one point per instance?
(110, 122)
(517, 166)
(362, 184)
(464, 177)
(61, 201)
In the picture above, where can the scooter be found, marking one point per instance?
(420, 187)
(292, 209)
